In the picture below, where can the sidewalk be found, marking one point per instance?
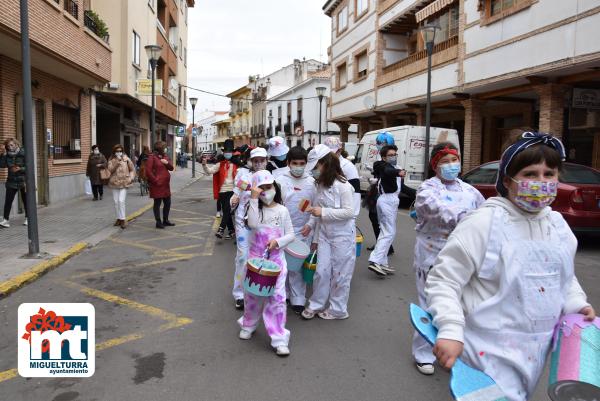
(67, 228)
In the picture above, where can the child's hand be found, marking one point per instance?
(255, 192)
(305, 230)
(446, 352)
(314, 246)
(316, 211)
(273, 245)
(589, 313)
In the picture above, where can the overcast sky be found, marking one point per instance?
(229, 40)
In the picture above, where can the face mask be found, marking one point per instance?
(316, 173)
(259, 166)
(533, 196)
(119, 154)
(392, 160)
(96, 152)
(297, 171)
(281, 158)
(268, 196)
(227, 156)
(450, 171)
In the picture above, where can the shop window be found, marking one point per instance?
(341, 76)
(67, 134)
(342, 20)
(361, 65)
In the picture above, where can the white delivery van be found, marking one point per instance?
(410, 141)
(351, 148)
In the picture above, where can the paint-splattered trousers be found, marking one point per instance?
(273, 311)
(242, 234)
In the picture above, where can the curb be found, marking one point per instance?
(9, 286)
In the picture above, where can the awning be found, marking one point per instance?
(433, 8)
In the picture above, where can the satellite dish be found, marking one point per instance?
(369, 102)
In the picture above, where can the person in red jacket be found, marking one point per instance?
(223, 174)
(158, 166)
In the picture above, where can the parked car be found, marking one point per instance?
(578, 197)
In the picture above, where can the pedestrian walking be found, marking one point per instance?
(348, 168)
(441, 202)
(215, 193)
(223, 174)
(96, 163)
(297, 185)
(12, 157)
(257, 161)
(506, 275)
(158, 168)
(272, 231)
(277, 150)
(122, 174)
(335, 233)
(388, 186)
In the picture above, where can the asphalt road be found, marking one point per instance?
(166, 325)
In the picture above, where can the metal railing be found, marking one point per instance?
(422, 54)
(72, 8)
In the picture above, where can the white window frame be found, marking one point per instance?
(361, 7)
(137, 49)
(342, 16)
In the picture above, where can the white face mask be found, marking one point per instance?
(96, 152)
(119, 154)
(297, 171)
(268, 196)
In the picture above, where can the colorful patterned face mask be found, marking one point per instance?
(533, 196)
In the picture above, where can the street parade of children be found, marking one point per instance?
(495, 278)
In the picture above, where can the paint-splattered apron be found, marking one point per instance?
(273, 308)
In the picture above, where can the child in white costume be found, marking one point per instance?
(272, 230)
(239, 200)
(334, 232)
(506, 274)
(296, 185)
(441, 202)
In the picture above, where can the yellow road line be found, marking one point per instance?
(113, 342)
(183, 248)
(140, 211)
(136, 244)
(145, 264)
(209, 246)
(8, 374)
(39, 269)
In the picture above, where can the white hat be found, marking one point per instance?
(258, 152)
(316, 154)
(277, 146)
(333, 143)
(262, 177)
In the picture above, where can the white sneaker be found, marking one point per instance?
(25, 222)
(245, 334)
(387, 269)
(376, 268)
(425, 368)
(219, 214)
(4, 223)
(282, 350)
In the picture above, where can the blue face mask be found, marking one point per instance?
(316, 173)
(281, 158)
(450, 171)
(227, 156)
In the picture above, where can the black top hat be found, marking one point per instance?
(228, 145)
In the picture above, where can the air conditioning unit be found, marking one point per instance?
(75, 145)
(583, 119)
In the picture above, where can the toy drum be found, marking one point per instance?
(261, 277)
(309, 268)
(575, 362)
(295, 254)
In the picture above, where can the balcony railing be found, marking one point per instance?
(422, 54)
(94, 24)
(72, 8)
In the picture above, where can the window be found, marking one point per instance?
(493, 10)
(185, 56)
(180, 48)
(299, 121)
(152, 4)
(447, 20)
(484, 175)
(361, 65)
(342, 20)
(136, 49)
(361, 7)
(67, 136)
(185, 100)
(341, 76)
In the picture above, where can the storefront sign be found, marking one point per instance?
(586, 98)
(144, 87)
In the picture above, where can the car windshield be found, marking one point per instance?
(576, 174)
(485, 174)
(358, 156)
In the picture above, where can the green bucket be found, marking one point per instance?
(309, 267)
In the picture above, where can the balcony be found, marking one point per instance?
(95, 24)
(417, 62)
(72, 8)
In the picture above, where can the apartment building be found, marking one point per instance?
(123, 108)
(209, 130)
(240, 115)
(70, 59)
(497, 65)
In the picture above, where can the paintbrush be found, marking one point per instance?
(304, 205)
(466, 383)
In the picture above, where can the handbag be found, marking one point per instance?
(104, 174)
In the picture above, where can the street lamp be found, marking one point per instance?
(193, 101)
(270, 124)
(153, 52)
(320, 93)
(428, 31)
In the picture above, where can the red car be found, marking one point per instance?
(578, 197)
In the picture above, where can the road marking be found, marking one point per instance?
(183, 248)
(209, 246)
(145, 264)
(8, 374)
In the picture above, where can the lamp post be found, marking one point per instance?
(270, 124)
(320, 93)
(428, 32)
(153, 52)
(193, 101)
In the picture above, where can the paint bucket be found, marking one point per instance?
(575, 361)
(261, 277)
(295, 254)
(359, 242)
(309, 267)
